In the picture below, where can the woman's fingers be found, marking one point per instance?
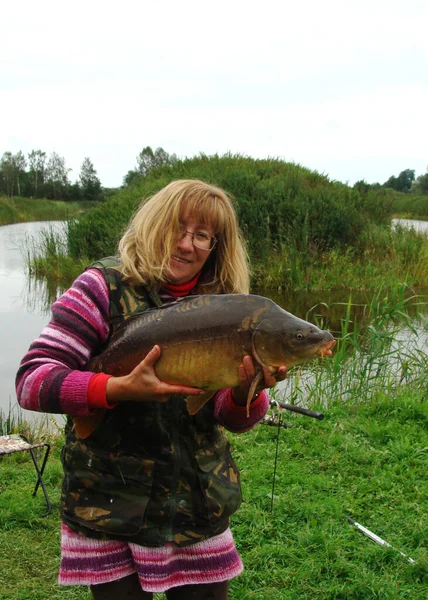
(247, 372)
(183, 390)
(281, 373)
(143, 383)
(151, 357)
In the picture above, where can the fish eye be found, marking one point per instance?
(299, 336)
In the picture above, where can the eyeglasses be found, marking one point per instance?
(200, 240)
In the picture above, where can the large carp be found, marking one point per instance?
(203, 341)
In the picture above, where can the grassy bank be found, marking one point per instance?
(21, 210)
(364, 460)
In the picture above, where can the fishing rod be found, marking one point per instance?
(297, 409)
(377, 539)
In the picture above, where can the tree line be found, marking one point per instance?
(39, 175)
(406, 182)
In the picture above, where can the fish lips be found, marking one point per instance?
(325, 348)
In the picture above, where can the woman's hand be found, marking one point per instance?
(247, 373)
(142, 384)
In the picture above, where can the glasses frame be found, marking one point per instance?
(184, 232)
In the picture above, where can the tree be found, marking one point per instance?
(8, 169)
(421, 184)
(362, 186)
(36, 161)
(403, 182)
(130, 177)
(20, 166)
(13, 168)
(89, 182)
(148, 160)
(56, 175)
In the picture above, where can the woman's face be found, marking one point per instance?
(186, 259)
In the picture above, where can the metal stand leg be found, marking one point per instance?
(40, 476)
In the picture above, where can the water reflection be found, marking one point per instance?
(39, 294)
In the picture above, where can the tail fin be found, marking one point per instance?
(84, 426)
(195, 403)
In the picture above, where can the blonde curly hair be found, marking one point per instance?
(149, 241)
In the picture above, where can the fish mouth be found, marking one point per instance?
(325, 349)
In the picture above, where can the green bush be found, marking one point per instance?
(278, 204)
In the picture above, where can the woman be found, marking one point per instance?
(147, 496)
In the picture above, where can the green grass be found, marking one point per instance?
(367, 461)
(364, 460)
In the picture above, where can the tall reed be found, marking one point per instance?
(375, 356)
(39, 428)
(47, 255)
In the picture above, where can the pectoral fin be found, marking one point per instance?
(252, 390)
(84, 426)
(195, 403)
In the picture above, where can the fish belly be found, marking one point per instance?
(207, 364)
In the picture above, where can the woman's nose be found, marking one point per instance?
(185, 240)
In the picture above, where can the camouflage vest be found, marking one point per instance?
(149, 473)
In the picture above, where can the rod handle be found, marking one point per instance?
(300, 410)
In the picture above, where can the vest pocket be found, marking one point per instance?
(220, 483)
(105, 492)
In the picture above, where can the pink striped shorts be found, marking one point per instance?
(87, 561)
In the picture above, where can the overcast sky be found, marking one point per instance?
(339, 87)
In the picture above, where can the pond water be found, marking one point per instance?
(421, 226)
(23, 311)
(25, 303)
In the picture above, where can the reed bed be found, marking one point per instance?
(388, 348)
(40, 428)
(385, 259)
(47, 258)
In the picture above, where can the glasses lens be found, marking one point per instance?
(200, 239)
(203, 241)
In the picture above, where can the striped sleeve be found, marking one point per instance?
(49, 378)
(234, 417)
